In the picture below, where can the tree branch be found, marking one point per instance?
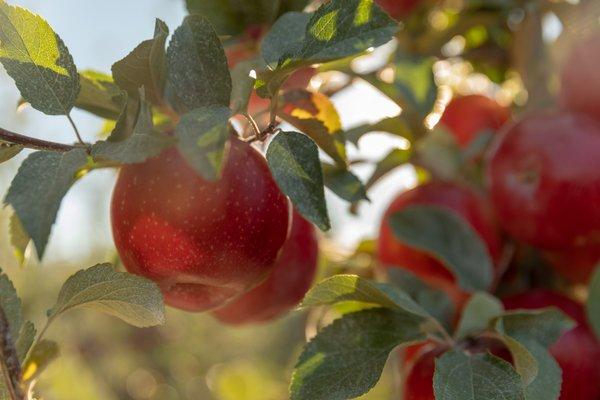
(11, 367)
(33, 143)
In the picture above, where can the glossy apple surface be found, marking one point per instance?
(580, 77)
(466, 203)
(544, 180)
(287, 284)
(204, 243)
(577, 351)
(466, 117)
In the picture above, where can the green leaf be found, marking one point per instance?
(460, 376)
(11, 305)
(343, 183)
(25, 339)
(315, 115)
(197, 66)
(42, 355)
(135, 300)
(548, 381)
(343, 288)
(395, 125)
(242, 85)
(346, 358)
(448, 238)
(544, 326)
(414, 79)
(525, 363)
(38, 188)
(394, 159)
(285, 37)
(38, 60)
(19, 238)
(202, 134)
(145, 141)
(9, 150)
(145, 66)
(293, 159)
(99, 95)
(434, 301)
(341, 28)
(439, 152)
(479, 312)
(593, 302)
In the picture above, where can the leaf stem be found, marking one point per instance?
(77, 132)
(33, 143)
(11, 367)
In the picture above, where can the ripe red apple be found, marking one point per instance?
(580, 77)
(466, 117)
(466, 203)
(544, 179)
(577, 351)
(577, 264)
(204, 243)
(398, 9)
(287, 284)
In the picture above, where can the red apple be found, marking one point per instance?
(291, 278)
(577, 264)
(466, 203)
(398, 9)
(580, 77)
(544, 179)
(204, 243)
(466, 117)
(577, 351)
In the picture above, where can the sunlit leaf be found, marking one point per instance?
(347, 357)
(413, 77)
(315, 115)
(394, 159)
(25, 339)
(395, 125)
(38, 60)
(42, 354)
(19, 238)
(38, 188)
(135, 300)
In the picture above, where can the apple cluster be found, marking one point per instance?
(541, 193)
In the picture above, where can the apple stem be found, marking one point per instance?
(33, 143)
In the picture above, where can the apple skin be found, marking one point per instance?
(204, 243)
(461, 200)
(398, 9)
(544, 179)
(577, 351)
(466, 117)
(577, 264)
(580, 77)
(287, 284)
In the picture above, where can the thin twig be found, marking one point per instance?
(252, 123)
(32, 143)
(11, 367)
